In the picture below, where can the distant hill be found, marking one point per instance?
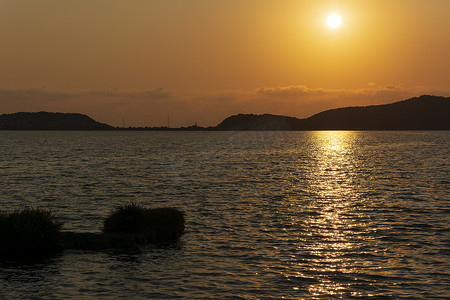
(420, 113)
(259, 122)
(49, 121)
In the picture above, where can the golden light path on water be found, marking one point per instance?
(333, 181)
(269, 215)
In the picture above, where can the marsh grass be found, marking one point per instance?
(29, 232)
(34, 232)
(155, 224)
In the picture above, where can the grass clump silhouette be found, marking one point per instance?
(151, 224)
(29, 232)
(35, 232)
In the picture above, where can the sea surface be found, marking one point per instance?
(269, 215)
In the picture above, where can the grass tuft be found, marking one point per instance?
(35, 233)
(156, 224)
(29, 232)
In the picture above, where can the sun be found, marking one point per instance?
(334, 20)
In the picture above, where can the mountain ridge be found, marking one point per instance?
(419, 113)
(426, 112)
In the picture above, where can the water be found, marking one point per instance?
(270, 215)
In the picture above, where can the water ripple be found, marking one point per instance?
(270, 215)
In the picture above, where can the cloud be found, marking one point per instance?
(155, 94)
(150, 107)
(301, 91)
(289, 91)
(51, 94)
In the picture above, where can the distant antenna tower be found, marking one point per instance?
(168, 120)
(123, 121)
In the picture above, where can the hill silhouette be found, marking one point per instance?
(49, 121)
(420, 113)
(259, 122)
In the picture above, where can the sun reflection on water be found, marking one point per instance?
(331, 228)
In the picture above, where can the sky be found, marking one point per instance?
(201, 61)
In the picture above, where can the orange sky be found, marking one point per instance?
(203, 60)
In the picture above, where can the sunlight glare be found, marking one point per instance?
(334, 20)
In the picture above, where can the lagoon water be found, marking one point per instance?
(269, 215)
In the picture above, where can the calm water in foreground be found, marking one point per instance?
(270, 215)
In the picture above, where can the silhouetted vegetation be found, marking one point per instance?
(29, 232)
(155, 224)
(36, 232)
